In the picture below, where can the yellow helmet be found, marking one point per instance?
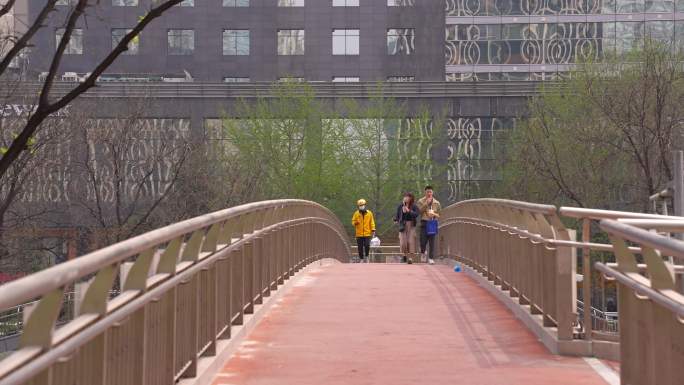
(361, 202)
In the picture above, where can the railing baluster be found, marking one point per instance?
(258, 258)
(224, 278)
(207, 311)
(187, 315)
(248, 260)
(237, 304)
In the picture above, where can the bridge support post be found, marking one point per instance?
(208, 299)
(224, 297)
(678, 202)
(586, 281)
(237, 287)
(273, 252)
(566, 288)
(258, 255)
(678, 186)
(248, 260)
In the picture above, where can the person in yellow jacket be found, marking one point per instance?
(364, 226)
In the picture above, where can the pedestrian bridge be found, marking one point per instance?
(260, 294)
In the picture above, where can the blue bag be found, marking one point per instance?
(431, 227)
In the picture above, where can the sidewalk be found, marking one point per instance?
(395, 324)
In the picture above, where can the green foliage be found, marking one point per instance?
(302, 149)
(283, 138)
(603, 137)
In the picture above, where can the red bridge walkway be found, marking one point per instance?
(395, 324)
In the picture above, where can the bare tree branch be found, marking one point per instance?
(24, 40)
(45, 108)
(7, 7)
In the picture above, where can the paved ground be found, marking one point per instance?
(395, 324)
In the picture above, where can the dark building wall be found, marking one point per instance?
(465, 143)
(262, 18)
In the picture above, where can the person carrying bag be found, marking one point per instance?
(407, 213)
(429, 208)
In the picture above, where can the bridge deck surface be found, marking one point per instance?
(395, 324)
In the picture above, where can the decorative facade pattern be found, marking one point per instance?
(557, 7)
(489, 40)
(504, 76)
(149, 159)
(549, 43)
(560, 43)
(473, 149)
(401, 41)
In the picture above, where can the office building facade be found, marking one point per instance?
(257, 40)
(431, 44)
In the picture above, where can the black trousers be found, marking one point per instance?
(363, 244)
(426, 239)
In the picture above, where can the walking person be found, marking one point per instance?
(406, 216)
(364, 226)
(429, 209)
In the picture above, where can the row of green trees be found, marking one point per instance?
(298, 147)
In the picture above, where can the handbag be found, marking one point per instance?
(431, 227)
(402, 223)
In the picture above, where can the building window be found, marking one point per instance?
(66, 2)
(229, 79)
(291, 42)
(400, 78)
(400, 41)
(291, 79)
(290, 3)
(236, 3)
(75, 45)
(236, 42)
(400, 3)
(124, 3)
(345, 41)
(345, 3)
(345, 79)
(186, 3)
(181, 41)
(118, 34)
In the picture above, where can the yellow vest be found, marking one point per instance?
(364, 224)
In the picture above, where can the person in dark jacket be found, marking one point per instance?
(406, 215)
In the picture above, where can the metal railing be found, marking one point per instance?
(651, 308)
(189, 282)
(526, 249)
(378, 254)
(420, 89)
(514, 244)
(12, 319)
(605, 321)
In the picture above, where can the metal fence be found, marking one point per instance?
(651, 307)
(188, 283)
(515, 245)
(527, 250)
(605, 321)
(12, 319)
(409, 90)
